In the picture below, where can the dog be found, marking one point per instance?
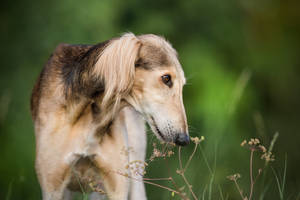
(91, 102)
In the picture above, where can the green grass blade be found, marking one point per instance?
(205, 159)
(8, 195)
(221, 193)
(204, 192)
(284, 174)
(263, 193)
(278, 184)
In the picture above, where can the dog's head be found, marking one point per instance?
(157, 89)
(144, 72)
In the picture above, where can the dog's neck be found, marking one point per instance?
(105, 121)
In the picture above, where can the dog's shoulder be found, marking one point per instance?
(64, 55)
(65, 66)
(68, 53)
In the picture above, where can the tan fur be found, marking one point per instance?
(116, 64)
(90, 103)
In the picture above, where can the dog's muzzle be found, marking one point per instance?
(182, 139)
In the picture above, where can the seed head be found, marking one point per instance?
(196, 140)
(234, 177)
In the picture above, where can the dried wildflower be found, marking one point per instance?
(197, 140)
(260, 171)
(268, 157)
(243, 143)
(262, 148)
(157, 153)
(170, 153)
(253, 142)
(234, 177)
(254, 145)
(136, 168)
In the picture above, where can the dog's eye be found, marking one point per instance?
(166, 79)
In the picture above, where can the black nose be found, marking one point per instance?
(182, 139)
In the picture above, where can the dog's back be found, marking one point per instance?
(61, 61)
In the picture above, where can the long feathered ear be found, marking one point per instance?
(116, 66)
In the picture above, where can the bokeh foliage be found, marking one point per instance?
(241, 60)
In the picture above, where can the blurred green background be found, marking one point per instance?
(241, 60)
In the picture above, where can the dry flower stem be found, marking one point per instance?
(145, 180)
(251, 174)
(164, 187)
(172, 180)
(190, 158)
(238, 188)
(158, 179)
(179, 157)
(181, 172)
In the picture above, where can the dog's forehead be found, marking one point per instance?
(156, 52)
(156, 49)
(154, 56)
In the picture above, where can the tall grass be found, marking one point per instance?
(188, 191)
(281, 180)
